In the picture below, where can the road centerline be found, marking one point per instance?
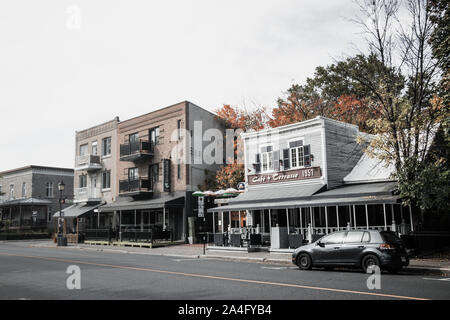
(280, 284)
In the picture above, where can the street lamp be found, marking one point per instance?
(61, 241)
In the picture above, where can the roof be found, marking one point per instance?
(34, 167)
(77, 210)
(370, 193)
(27, 201)
(369, 169)
(176, 199)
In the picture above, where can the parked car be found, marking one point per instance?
(355, 248)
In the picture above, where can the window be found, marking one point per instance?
(49, 189)
(49, 214)
(106, 179)
(94, 148)
(11, 192)
(134, 137)
(133, 174)
(266, 159)
(106, 146)
(354, 236)
(82, 181)
(366, 237)
(297, 157)
(179, 129)
(334, 238)
(24, 189)
(154, 172)
(154, 136)
(83, 149)
(179, 171)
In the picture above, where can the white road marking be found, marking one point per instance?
(436, 279)
(279, 268)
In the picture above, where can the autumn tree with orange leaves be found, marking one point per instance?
(329, 94)
(230, 174)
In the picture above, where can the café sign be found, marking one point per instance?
(284, 176)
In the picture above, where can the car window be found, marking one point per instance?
(390, 237)
(337, 237)
(354, 236)
(366, 237)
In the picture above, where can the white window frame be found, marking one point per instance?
(297, 153)
(24, 189)
(49, 186)
(11, 191)
(84, 147)
(94, 144)
(270, 165)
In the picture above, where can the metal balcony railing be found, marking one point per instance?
(135, 150)
(88, 162)
(135, 186)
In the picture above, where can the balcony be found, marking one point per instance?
(135, 187)
(136, 150)
(88, 162)
(87, 195)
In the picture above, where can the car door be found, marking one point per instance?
(327, 249)
(352, 247)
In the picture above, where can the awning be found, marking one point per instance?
(373, 193)
(175, 200)
(26, 202)
(282, 197)
(76, 210)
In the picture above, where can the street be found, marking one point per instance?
(40, 273)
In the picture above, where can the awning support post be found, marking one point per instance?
(287, 219)
(384, 215)
(229, 217)
(270, 222)
(214, 222)
(240, 221)
(326, 220)
(367, 218)
(337, 217)
(164, 219)
(354, 215)
(411, 219)
(221, 214)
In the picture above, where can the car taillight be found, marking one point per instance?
(387, 246)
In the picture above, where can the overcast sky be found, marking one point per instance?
(132, 57)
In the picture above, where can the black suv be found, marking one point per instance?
(355, 248)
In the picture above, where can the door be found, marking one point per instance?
(329, 249)
(352, 247)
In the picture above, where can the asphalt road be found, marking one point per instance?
(40, 273)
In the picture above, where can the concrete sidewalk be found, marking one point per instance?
(195, 251)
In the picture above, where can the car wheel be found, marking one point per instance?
(369, 261)
(304, 261)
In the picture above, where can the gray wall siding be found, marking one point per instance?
(343, 152)
(197, 170)
(279, 140)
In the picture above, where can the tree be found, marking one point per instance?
(328, 93)
(230, 174)
(402, 78)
